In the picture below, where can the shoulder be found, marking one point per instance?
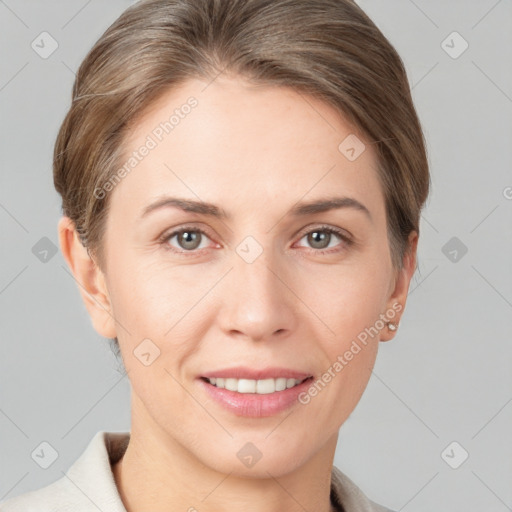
(56, 497)
(87, 486)
(348, 497)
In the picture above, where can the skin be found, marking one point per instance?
(255, 152)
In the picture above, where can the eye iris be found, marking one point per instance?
(324, 238)
(189, 239)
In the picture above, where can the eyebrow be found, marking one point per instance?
(300, 209)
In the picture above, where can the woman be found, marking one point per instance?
(242, 182)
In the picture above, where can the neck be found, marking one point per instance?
(158, 473)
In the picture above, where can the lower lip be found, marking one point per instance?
(253, 404)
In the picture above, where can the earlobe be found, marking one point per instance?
(398, 297)
(89, 278)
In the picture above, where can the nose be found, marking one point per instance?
(257, 302)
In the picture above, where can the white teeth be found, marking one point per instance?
(231, 384)
(280, 384)
(261, 387)
(245, 386)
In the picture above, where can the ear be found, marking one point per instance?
(397, 299)
(89, 277)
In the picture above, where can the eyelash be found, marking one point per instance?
(164, 239)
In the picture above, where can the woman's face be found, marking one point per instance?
(251, 290)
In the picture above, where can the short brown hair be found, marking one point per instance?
(326, 48)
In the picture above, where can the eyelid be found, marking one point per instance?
(346, 239)
(344, 235)
(172, 232)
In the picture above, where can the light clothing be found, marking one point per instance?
(89, 485)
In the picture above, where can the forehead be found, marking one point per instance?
(233, 141)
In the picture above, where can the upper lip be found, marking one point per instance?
(243, 372)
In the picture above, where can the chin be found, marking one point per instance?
(254, 456)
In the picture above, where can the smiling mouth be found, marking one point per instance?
(260, 387)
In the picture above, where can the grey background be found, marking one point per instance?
(447, 375)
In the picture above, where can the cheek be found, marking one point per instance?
(150, 298)
(161, 313)
(347, 299)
